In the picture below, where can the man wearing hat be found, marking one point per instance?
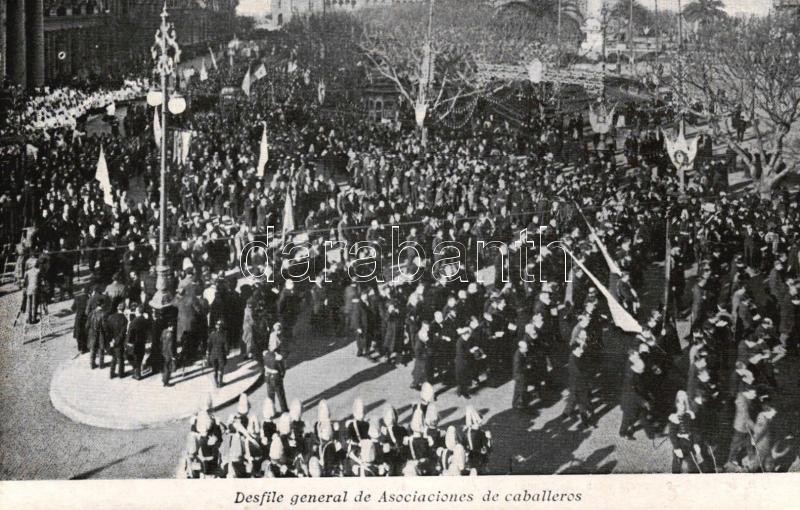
(116, 329)
(217, 352)
(97, 333)
(79, 331)
(356, 429)
(418, 446)
(191, 317)
(361, 324)
(700, 301)
(476, 441)
(423, 357)
(521, 370)
(627, 295)
(137, 337)
(775, 281)
(246, 427)
(289, 302)
(579, 373)
(742, 427)
(168, 353)
(462, 365)
(550, 331)
(274, 368)
(632, 401)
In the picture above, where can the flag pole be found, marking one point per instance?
(667, 271)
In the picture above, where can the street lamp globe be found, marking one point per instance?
(177, 104)
(155, 98)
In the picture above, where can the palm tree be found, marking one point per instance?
(621, 11)
(570, 9)
(545, 14)
(705, 11)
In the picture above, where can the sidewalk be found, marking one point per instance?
(91, 397)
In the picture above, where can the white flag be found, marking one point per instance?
(263, 153)
(600, 119)
(186, 140)
(621, 317)
(101, 176)
(213, 59)
(176, 146)
(288, 213)
(203, 72)
(260, 72)
(156, 128)
(246, 82)
(612, 265)
(321, 91)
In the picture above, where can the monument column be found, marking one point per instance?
(15, 41)
(34, 16)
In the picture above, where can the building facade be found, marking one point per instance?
(787, 6)
(281, 11)
(51, 41)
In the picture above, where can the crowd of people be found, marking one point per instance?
(283, 445)
(64, 106)
(474, 314)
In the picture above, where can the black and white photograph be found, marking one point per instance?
(399, 238)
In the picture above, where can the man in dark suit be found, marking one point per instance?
(359, 324)
(521, 369)
(116, 329)
(288, 308)
(138, 333)
(79, 332)
(189, 317)
(218, 352)
(168, 351)
(97, 334)
(423, 357)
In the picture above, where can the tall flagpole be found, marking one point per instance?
(658, 34)
(667, 271)
(630, 37)
(558, 37)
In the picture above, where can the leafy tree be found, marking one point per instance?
(620, 13)
(705, 12)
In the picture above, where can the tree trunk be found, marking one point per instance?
(764, 187)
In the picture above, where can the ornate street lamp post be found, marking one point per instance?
(166, 55)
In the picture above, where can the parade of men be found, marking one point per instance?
(298, 257)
